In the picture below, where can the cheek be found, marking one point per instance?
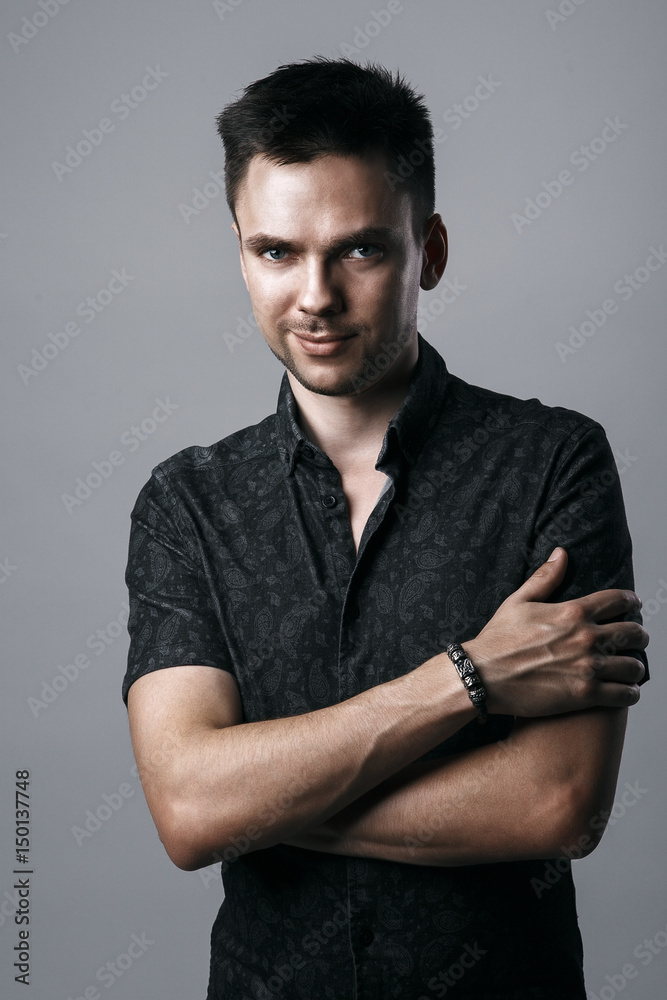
(408, 283)
(268, 293)
(393, 293)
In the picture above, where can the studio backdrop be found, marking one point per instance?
(128, 335)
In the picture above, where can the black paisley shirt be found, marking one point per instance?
(241, 557)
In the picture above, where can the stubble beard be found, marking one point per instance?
(369, 371)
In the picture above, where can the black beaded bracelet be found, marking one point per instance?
(470, 677)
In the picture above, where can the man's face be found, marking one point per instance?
(332, 266)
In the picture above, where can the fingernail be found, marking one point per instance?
(554, 554)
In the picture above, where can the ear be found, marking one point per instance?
(242, 261)
(435, 251)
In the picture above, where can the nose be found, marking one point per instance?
(318, 291)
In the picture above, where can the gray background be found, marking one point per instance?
(168, 335)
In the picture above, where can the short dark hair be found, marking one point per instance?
(324, 106)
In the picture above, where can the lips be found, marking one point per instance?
(323, 345)
(325, 339)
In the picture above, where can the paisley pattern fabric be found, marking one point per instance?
(241, 557)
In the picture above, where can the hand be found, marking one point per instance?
(538, 659)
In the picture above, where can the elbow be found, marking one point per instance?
(177, 828)
(191, 843)
(186, 855)
(576, 825)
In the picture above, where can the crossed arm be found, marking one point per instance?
(545, 788)
(346, 779)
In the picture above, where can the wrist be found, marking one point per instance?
(453, 701)
(472, 650)
(470, 678)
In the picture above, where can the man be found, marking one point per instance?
(303, 578)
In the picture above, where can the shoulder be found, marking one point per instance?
(256, 443)
(465, 403)
(217, 470)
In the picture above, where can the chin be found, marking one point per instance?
(327, 380)
(351, 384)
(326, 387)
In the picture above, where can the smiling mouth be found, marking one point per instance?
(322, 338)
(324, 344)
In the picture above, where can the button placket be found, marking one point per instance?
(366, 937)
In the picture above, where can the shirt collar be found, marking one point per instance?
(408, 429)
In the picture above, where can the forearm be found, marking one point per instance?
(259, 783)
(526, 797)
(212, 781)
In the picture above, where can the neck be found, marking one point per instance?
(351, 429)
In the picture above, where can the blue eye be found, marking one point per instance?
(273, 250)
(367, 250)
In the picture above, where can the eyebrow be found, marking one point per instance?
(259, 242)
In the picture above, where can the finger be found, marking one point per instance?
(626, 670)
(605, 604)
(611, 695)
(616, 637)
(545, 579)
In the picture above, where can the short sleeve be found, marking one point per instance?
(585, 514)
(173, 619)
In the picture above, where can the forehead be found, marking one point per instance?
(332, 193)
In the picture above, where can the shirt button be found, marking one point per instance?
(366, 936)
(329, 501)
